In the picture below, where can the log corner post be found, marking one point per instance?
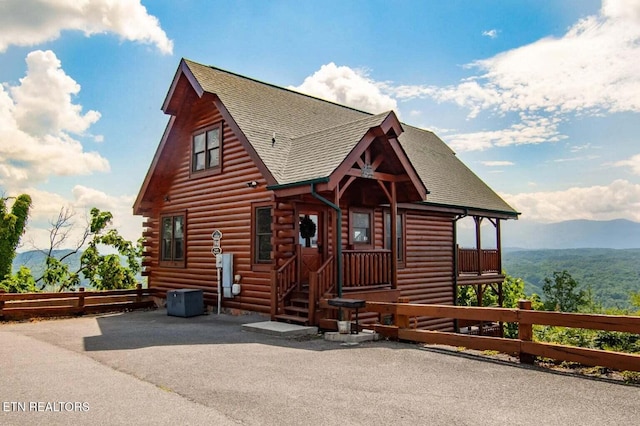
(525, 332)
(138, 292)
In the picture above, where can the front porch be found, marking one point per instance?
(326, 242)
(366, 274)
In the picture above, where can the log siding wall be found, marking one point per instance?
(428, 275)
(220, 201)
(428, 272)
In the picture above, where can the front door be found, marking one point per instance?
(311, 239)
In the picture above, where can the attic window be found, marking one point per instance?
(206, 149)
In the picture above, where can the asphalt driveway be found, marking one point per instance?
(149, 368)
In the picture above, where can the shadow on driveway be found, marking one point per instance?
(142, 329)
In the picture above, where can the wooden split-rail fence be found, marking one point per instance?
(29, 305)
(523, 346)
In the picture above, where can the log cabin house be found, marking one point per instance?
(303, 193)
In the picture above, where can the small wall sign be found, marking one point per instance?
(216, 236)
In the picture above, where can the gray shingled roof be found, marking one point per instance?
(317, 154)
(313, 136)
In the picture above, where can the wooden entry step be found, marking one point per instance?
(293, 319)
(299, 301)
(297, 310)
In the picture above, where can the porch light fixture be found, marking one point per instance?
(252, 184)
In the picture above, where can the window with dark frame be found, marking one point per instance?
(206, 149)
(172, 239)
(399, 233)
(361, 227)
(262, 242)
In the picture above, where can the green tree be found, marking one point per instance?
(12, 227)
(512, 292)
(104, 271)
(634, 297)
(20, 282)
(562, 294)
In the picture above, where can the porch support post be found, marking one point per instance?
(499, 246)
(335, 207)
(394, 236)
(478, 221)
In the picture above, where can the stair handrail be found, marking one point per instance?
(284, 281)
(321, 282)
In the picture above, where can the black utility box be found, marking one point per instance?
(185, 303)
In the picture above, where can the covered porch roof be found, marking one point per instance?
(360, 160)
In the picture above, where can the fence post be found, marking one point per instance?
(1, 302)
(525, 332)
(81, 300)
(138, 292)
(402, 321)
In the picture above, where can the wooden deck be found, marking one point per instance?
(479, 266)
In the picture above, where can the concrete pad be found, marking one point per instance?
(280, 329)
(363, 336)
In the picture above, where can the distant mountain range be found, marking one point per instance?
(612, 274)
(601, 255)
(35, 260)
(616, 234)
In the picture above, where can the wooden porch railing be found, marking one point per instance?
(321, 282)
(28, 305)
(364, 268)
(283, 281)
(474, 261)
(524, 346)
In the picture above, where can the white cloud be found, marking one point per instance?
(493, 33)
(580, 148)
(592, 69)
(30, 22)
(633, 163)
(580, 158)
(619, 199)
(47, 205)
(347, 86)
(124, 221)
(42, 101)
(37, 119)
(497, 163)
(531, 130)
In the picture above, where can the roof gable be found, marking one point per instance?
(331, 145)
(295, 137)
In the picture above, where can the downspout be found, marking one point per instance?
(338, 235)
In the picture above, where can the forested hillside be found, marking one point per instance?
(612, 274)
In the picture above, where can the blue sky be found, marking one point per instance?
(540, 98)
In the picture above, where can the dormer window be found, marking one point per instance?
(206, 149)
